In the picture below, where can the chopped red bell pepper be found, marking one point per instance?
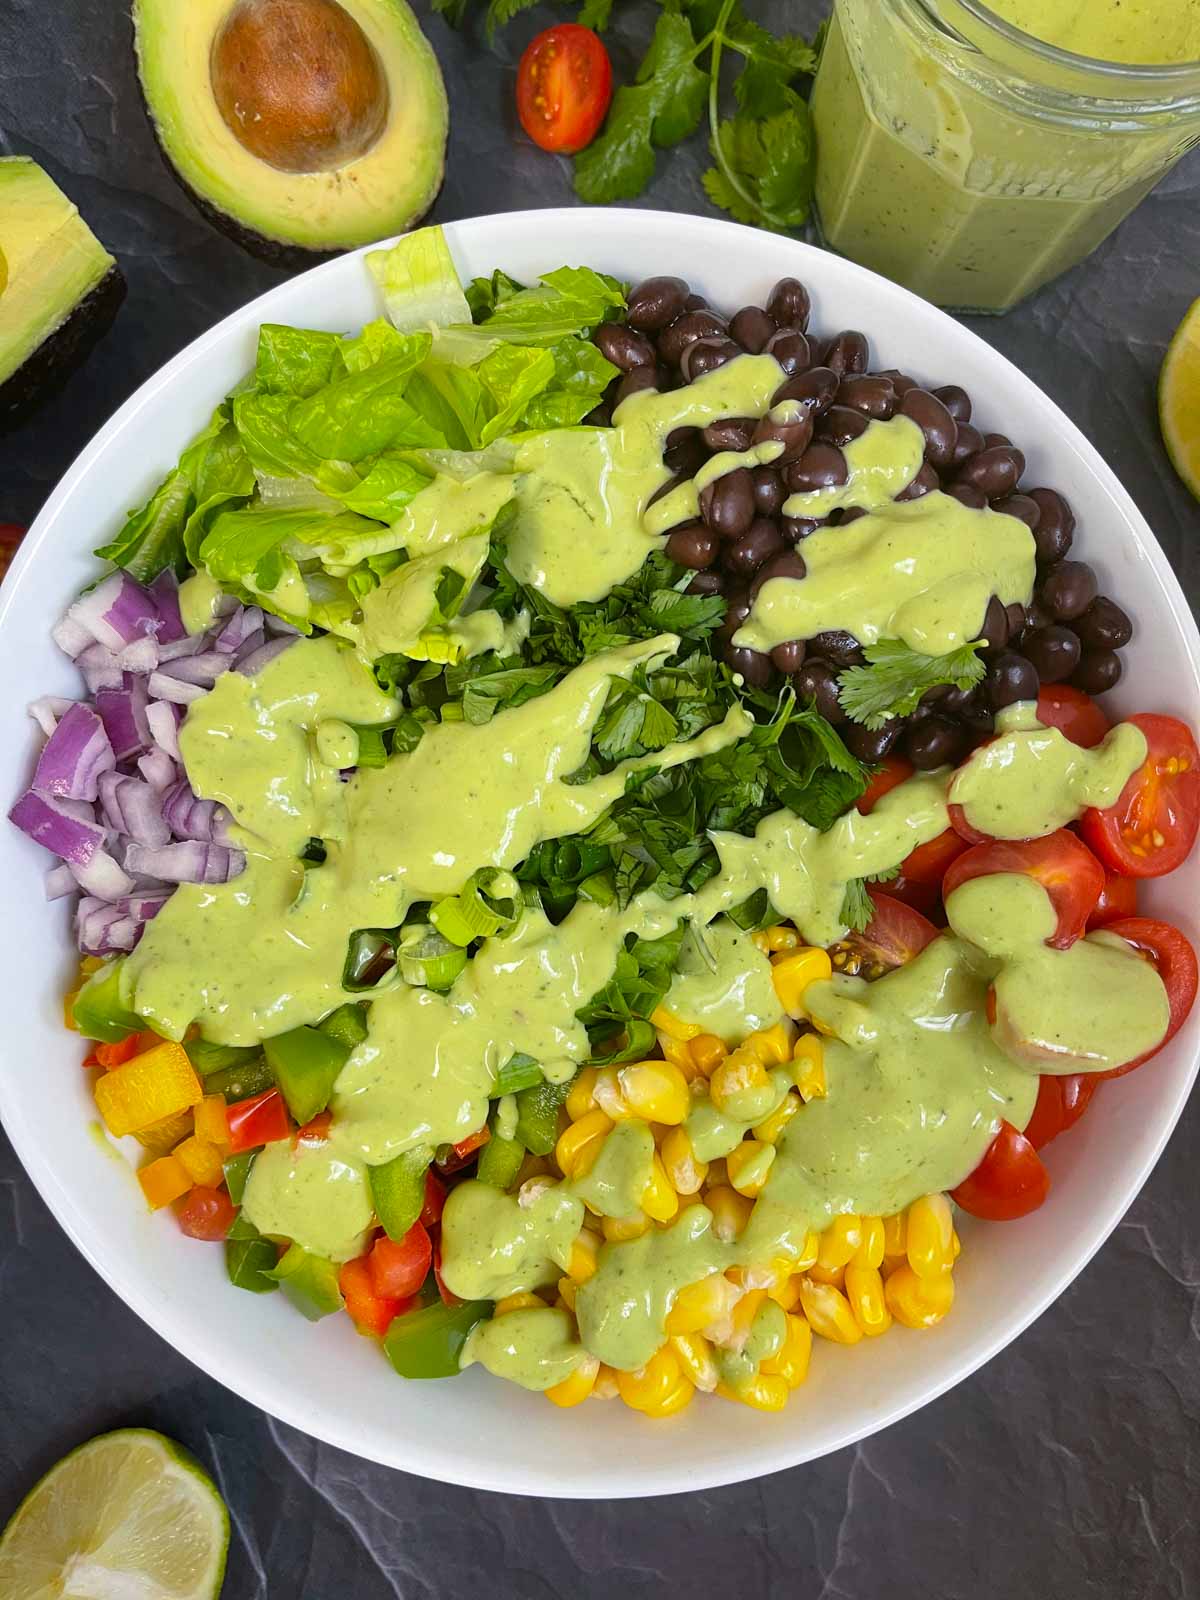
(399, 1270)
(260, 1120)
(371, 1313)
(449, 1298)
(462, 1152)
(116, 1055)
(315, 1131)
(206, 1213)
(435, 1199)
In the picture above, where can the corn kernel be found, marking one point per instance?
(834, 1275)
(608, 1095)
(696, 1358)
(919, 1302)
(585, 1247)
(769, 1129)
(566, 1294)
(764, 1392)
(659, 1200)
(574, 1390)
(658, 1388)
(955, 1244)
(774, 1045)
(730, 1212)
(619, 1229)
(525, 1301)
(748, 1166)
(828, 1312)
(684, 1172)
(155, 1084)
(760, 941)
(667, 1022)
(781, 937)
(895, 1234)
(708, 1052)
(808, 1256)
(738, 1079)
(787, 1293)
(791, 1362)
(865, 1293)
(718, 1178)
(164, 1180)
(201, 1161)
(793, 971)
(699, 1304)
(741, 1318)
(161, 1137)
(808, 1067)
(870, 1251)
(579, 1145)
(581, 1096)
(656, 1091)
(210, 1120)
(840, 1240)
(930, 1246)
(605, 1386)
(679, 1053)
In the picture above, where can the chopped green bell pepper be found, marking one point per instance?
(398, 1190)
(518, 1072)
(310, 1282)
(348, 1025)
(249, 1258)
(208, 1058)
(305, 1064)
(428, 1343)
(537, 1116)
(99, 1011)
(242, 1081)
(501, 1157)
(237, 1170)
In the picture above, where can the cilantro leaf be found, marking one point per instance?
(895, 678)
(857, 906)
(764, 165)
(595, 14)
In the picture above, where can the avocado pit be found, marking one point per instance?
(298, 83)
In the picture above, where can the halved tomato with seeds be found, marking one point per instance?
(1153, 826)
(894, 935)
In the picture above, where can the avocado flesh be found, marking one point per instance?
(284, 215)
(62, 286)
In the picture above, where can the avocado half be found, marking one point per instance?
(59, 288)
(297, 126)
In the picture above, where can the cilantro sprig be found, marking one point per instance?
(895, 678)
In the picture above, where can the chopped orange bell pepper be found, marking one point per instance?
(211, 1122)
(156, 1084)
(162, 1181)
(201, 1160)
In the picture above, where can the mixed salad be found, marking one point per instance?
(594, 837)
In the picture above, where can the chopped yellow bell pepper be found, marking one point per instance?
(211, 1122)
(160, 1138)
(156, 1084)
(201, 1160)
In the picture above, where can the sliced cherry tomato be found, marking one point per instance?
(1118, 898)
(894, 935)
(1009, 1182)
(449, 1298)
(11, 534)
(920, 881)
(435, 1199)
(1175, 962)
(459, 1154)
(370, 1313)
(894, 770)
(260, 1120)
(1061, 1102)
(1066, 869)
(1153, 825)
(1073, 713)
(206, 1213)
(564, 85)
(399, 1270)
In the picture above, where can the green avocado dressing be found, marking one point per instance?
(880, 464)
(493, 1245)
(312, 1194)
(536, 1349)
(723, 983)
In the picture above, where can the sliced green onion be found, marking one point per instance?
(489, 904)
(518, 1072)
(431, 962)
(372, 751)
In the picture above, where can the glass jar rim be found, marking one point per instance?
(1158, 74)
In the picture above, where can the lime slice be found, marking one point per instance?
(127, 1514)
(1179, 399)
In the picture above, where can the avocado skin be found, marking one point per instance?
(54, 360)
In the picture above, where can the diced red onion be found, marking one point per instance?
(47, 709)
(123, 713)
(174, 690)
(202, 670)
(102, 876)
(117, 611)
(140, 656)
(60, 881)
(190, 861)
(189, 645)
(142, 907)
(74, 756)
(70, 636)
(164, 726)
(241, 626)
(262, 657)
(100, 668)
(165, 593)
(132, 807)
(278, 627)
(52, 824)
(189, 817)
(157, 768)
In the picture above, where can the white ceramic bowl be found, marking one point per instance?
(475, 1430)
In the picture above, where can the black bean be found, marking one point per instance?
(693, 545)
(695, 302)
(655, 302)
(968, 442)
(789, 304)
(1016, 618)
(794, 529)
(706, 583)
(634, 382)
(1010, 678)
(624, 347)
(925, 481)
(841, 425)
(1054, 652)
(947, 700)
(706, 355)
(872, 395)
(759, 543)
(817, 681)
(969, 495)
(599, 417)
(789, 564)
(664, 489)
(1103, 626)
(1037, 615)
(848, 514)
(838, 646)
(1068, 589)
(872, 744)
(769, 493)
(789, 657)
(751, 327)
(995, 624)
(791, 349)
(789, 425)
(822, 466)
(754, 667)
(900, 381)
(1020, 506)
(848, 352)
(935, 422)
(730, 433)
(935, 742)
(684, 452)
(814, 389)
(996, 470)
(1056, 525)
(736, 612)
(1097, 672)
(685, 330)
(997, 441)
(727, 505)
(956, 401)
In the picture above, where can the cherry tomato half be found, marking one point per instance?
(894, 935)
(564, 85)
(1009, 1182)
(1062, 1100)
(893, 770)
(206, 1213)
(1065, 868)
(1075, 714)
(920, 881)
(1175, 962)
(1118, 898)
(1153, 825)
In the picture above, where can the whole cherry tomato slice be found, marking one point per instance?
(1009, 1182)
(564, 85)
(1073, 713)
(206, 1213)
(894, 935)
(1175, 962)
(1153, 825)
(1118, 898)
(893, 770)
(1066, 869)
(1061, 1102)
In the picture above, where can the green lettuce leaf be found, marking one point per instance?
(295, 361)
(419, 282)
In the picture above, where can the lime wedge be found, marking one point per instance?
(1179, 399)
(127, 1514)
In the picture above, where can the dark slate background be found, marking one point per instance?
(1068, 1468)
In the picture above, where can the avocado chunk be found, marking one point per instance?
(297, 126)
(59, 288)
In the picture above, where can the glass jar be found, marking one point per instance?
(971, 162)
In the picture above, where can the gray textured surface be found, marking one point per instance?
(1067, 1468)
